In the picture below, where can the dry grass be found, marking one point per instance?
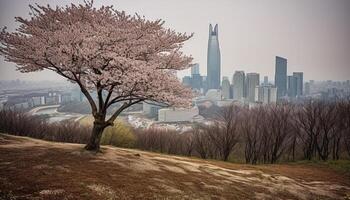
(35, 169)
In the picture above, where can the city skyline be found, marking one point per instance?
(312, 35)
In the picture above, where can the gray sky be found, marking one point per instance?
(314, 35)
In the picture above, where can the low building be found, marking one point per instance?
(265, 94)
(38, 101)
(177, 114)
(225, 102)
(150, 110)
(214, 95)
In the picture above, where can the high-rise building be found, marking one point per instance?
(204, 84)
(186, 80)
(238, 85)
(292, 86)
(265, 94)
(266, 80)
(307, 88)
(196, 78)
(225, 87)
(213, 59)
(259, 93)
(300, 82)
(281, 76)
(252, 81)
(194, 69)
(273, 95)
(196, 81)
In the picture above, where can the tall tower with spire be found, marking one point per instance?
(213, 59)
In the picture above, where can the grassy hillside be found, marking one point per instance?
(36, 169)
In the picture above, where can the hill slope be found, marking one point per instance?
(36, 169)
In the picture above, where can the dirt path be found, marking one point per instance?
(35, 169)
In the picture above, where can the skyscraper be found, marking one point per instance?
(265, 94)
(213, 59)
(196, 78)
(300, 82)
(307, 88)
(238, 85)
(194, 69)
(266, 80)
(292, 86)
(252, 81)
(281, 76)
(186, 80)
(225, 88)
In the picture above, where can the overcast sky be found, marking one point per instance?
(314, 35)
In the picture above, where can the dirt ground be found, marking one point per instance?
(36, 169)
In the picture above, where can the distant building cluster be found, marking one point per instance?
(35, 99)
(327, 90)
(244, 88)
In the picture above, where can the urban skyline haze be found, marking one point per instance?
(312, 34)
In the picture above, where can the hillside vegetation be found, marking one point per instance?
(37, 169)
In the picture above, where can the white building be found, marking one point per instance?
(214, 95)
(273, 95)
(177, 114)
(265, 94)
(38, 101)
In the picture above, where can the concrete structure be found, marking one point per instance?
(224, 102)
(214, 95)
(186, 80)
(266, 80)
(238, 81)
(273, 94)
(259, 93)
(226, 87)
(151, 110)
(213, 59)
(66, 97)
(300, 82)
(307, 88)
(38, 101)
(252, 81)
(281, 76)
(265, 94)
(177, 114)
(195, 81)
(194, 69)
(292, 87)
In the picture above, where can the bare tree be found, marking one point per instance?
(224, 132)
(343, 112)
(251, 130)
(201, 142)
(307, 121)
(278, 127)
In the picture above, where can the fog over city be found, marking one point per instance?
(312, 34)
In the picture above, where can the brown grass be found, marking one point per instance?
(36, 169)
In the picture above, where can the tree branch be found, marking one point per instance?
(121, 109)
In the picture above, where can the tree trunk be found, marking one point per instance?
(94, 142)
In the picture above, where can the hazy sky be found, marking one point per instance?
(314, 35)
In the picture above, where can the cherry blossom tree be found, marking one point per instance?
(123, 59)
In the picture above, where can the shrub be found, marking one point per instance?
(119, 135)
